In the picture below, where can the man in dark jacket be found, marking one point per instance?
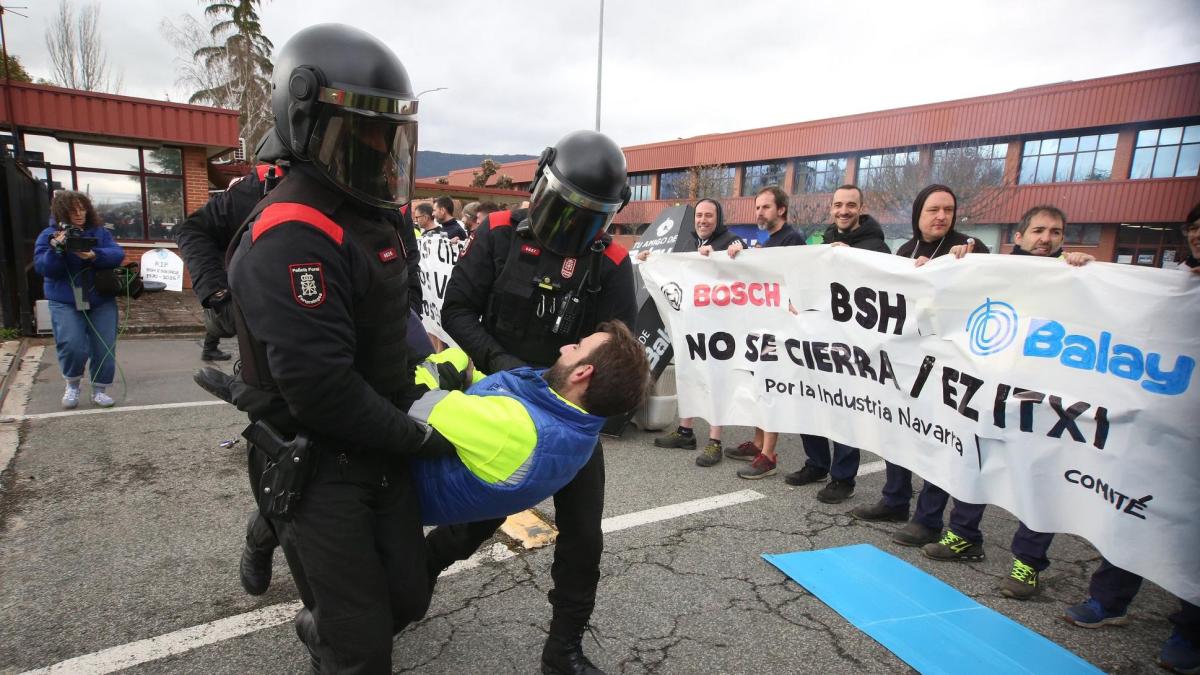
(710, 234)
(443, 213)
(851, 227)
(933, 216)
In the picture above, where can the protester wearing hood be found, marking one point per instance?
(851, 227)
(1191, 232)
(710, 235)
(933, 217)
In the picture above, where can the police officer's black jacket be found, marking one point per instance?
(321, 284)
(868, 235)
(206, 234)
(497, 280)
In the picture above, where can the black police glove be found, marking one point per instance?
(451, 378)
(218, 299)
(505, 362)
(435, 444)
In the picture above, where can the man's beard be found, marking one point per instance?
(556, 376)
(764, 225)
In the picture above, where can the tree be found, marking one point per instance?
(709, 180)
(77, 57)
(487, 169)
(16, 72)
(973, 169)
(232, 67)
(505, 182)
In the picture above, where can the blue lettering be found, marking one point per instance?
(1044, 338)
(1080, 352)
(1170, 383)
(1102, 353)
(1126, 362)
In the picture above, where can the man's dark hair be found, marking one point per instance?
(1052, 211)
(425, 208)
(851, 186)
(1192, 216)
(621, 375)
(66, 200)
(781, 198)
(488, 207)
(445, 203)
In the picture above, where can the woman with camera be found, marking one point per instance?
(85, 320)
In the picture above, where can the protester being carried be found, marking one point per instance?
(710, 234)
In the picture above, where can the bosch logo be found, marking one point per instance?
(665, 227)
(674, 295)
(992, 327)
(737, 293)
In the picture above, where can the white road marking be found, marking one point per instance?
(185, 640)
(871, 467)
(105, 411)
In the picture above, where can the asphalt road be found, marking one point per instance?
(120, 527)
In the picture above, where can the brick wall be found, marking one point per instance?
(195, 178)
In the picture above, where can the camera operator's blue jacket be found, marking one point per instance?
(58, 267)
(518, 443)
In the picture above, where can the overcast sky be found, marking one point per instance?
(520, 74)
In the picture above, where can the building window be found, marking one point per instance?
(714, 182)
(820, 175)
(1151, 245)
(674, 185)
(1074, 234)
(759, 176)
(970, 164)
(1167, 153)
(1071, 159)
(640, 187)
(880, 170)
(137, 192)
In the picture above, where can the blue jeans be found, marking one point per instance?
(844, 465)
(79, 343)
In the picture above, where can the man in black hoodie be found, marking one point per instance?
(933, 215)
(708, 235)
(851, 227)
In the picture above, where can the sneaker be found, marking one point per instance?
(880, 512)
(953, 547)
(761, 467)
(745, 452)
(1021, 583)
(70, 397)
(676, 440)
(214, 355)
(710, 455)
(1180, 655)
(1090, 614)
(836, 492)
(805, 476)
(915, 534)
(102, 400)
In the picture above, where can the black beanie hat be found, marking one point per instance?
(919, 205)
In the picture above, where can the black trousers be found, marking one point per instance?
(357, 554)
(578, 510)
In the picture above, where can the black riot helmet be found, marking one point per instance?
(579, 187)
(343, 101)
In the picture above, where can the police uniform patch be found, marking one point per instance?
(526, 249)
(568, 268)
(308, 284)
(388, 255)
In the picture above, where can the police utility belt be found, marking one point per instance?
(289, 466)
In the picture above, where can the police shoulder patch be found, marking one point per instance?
(308, 284)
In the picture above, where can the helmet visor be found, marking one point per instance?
(370, 156)
(562, 226)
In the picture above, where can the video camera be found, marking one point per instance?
(77, 242)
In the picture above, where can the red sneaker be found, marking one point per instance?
(761, 467)
(745, 452)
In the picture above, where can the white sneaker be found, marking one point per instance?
(102, 399)
(70, 397)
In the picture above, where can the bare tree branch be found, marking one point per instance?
(77, 54)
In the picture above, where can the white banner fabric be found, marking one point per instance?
(438, 256)
(1066, 395)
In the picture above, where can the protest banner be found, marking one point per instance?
(163, 265)
(1066, 395)
(438, 256)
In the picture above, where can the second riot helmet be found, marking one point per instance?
(343, 101)
(579, 187)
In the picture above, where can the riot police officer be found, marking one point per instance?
(529, 283)
(320, 292)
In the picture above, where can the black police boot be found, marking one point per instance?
(306, 630)
(215, 382)
(563, 654)
(255, 567)
(214, 354)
